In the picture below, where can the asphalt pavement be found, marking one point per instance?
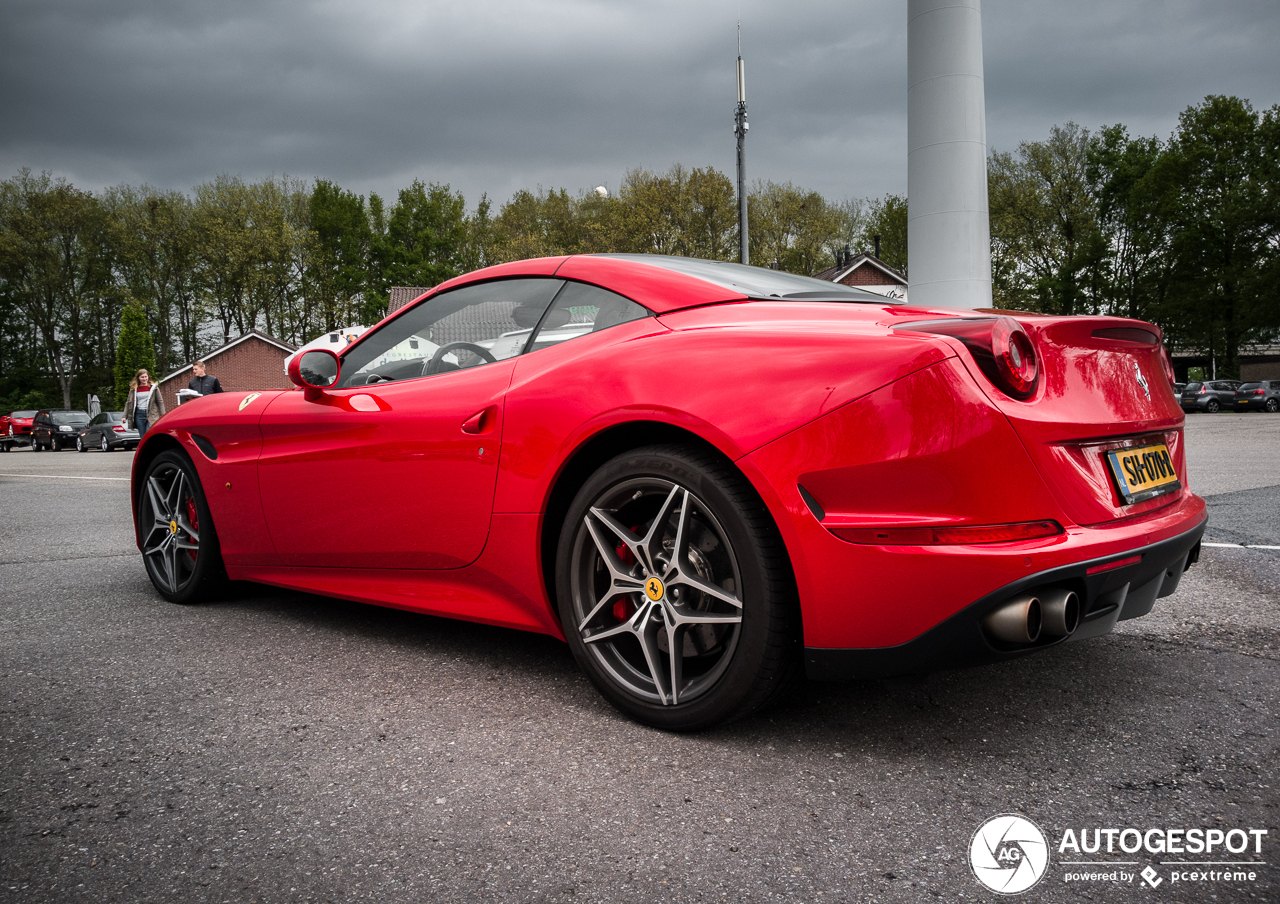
(280, 747)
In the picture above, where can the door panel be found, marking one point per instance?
(385, 476)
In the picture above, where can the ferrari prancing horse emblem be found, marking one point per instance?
(247, 399)
(653, 589)
(1142, 381)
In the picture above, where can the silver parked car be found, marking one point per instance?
(1211, 395)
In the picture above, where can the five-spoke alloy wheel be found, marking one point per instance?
(674, 589)
(179, 545)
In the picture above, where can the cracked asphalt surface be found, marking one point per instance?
(280, 747)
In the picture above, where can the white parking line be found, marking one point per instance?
(1239, 546)
(64, 477)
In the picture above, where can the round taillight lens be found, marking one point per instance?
(1015, 358)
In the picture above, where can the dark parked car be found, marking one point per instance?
(1211, 396)
(56, 428)
(1263, 395)
(16, 427)
(108, 433)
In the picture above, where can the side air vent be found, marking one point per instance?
(208, 448)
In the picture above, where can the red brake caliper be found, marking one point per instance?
(623, 607)
(193, 521)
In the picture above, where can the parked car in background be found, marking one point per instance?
(1211, 395)
(1177, 389)
(16, 425)
(56, 428)
(107, 431)
(1263, 395)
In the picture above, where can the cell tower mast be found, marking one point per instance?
(740, 126)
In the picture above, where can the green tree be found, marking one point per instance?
(887, 218)
(1044, 234)
(425, 232)
(1218, 176)
(54, 261)
(337, 264)
(134, 350)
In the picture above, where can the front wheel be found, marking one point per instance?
(80, 446)
(54, 444)
(179, 545)
(674, 589)
(104, 445)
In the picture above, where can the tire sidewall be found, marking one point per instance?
(208, 567)
(726, 698)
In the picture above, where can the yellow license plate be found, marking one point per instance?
(1143, 472)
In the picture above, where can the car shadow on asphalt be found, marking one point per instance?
(1052, 698)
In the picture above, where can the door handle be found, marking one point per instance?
(481, 421)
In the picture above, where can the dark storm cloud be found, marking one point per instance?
(496, 96)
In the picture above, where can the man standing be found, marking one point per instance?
(202, 382)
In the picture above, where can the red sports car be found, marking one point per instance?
(16, 427)
(705, 477)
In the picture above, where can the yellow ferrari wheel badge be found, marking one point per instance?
(173, 527)
(653, 589)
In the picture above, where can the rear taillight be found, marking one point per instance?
(118, 429)
(1257, 392)
(1000, 347)
(1203, 390)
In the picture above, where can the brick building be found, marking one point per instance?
(866, 271)
(402, 295)
(254, 361)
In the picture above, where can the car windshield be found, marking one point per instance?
(23, 414)
(757, 282)
(70, 418)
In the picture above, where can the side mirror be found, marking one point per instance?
(314, 371)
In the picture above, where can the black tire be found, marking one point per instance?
(80, 446)
(1272, 406)
(743, 649)
(103, 444)
(1212, 406)
(182, 557)
(54, 445)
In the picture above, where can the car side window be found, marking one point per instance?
(580, 309)
(467, 327)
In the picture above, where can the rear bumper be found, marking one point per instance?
(1107, 597)
(1258, 404)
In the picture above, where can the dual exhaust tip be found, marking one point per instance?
(1054, 612)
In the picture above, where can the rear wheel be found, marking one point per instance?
(674, 589)
(1212, 407)
(179, 544)
(1273, 405)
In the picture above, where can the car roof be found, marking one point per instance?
(664, 283)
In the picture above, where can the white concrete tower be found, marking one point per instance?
(948, 223)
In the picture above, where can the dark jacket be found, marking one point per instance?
(205, 385)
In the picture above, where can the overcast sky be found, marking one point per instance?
(497, 95)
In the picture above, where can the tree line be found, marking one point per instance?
(1180, 231)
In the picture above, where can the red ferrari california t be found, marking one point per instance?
(705, 477)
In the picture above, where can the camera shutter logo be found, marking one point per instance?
(1009, 854)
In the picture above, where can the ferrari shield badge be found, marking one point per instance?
(247, 399)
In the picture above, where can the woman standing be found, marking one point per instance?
(144, 404)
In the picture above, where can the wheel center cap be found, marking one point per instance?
(173, 527)
(653, 589)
